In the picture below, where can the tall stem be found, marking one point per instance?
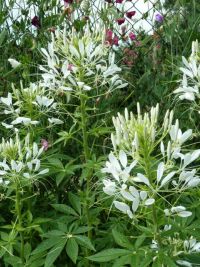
(19, 217)
(147, 164)
(84, 120)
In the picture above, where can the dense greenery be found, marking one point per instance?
(88, 176)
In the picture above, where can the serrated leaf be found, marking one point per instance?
(54, 253)
(109, 254)
(84, 241)
(64, 209)
(72, 249)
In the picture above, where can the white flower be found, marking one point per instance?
(55, 121)
(192, 246)
(113, 167)
(184, 263)
(24, 120)
(14, 63)
(124, 208)
(44, 101)
(109, 187)
(178, 210)
(7, 100)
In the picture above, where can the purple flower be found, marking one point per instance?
(115, 40)
(130, 14)
(119, 1)
(45, 144)
(36, 22)
(159, 18)
(132, 36)
(120, 21)
(68, 1)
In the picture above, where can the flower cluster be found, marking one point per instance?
(27, 106)
(75, 63)
(147, 159)
(20, 161)
(189, 87)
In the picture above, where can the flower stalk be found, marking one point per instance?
(18, 209)
(84, 119)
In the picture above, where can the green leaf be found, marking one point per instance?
(59, 178)
(27, 250)
(64, 209)
(84, 241)
(140, 240)
(14, 261)
(146, 261)
(121, 239)
(169, 262)
(3, 36)
(72, 249)
(82, 229)
(122, 261)
(54, 253)
(75, 202)
(45, 245)
(109, 254)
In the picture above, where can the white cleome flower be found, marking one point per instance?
(14, 63)
(119, 169)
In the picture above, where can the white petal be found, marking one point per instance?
(160, 171)
(184, 213)
(123, 158)
(167, 179)
(149, 201)
(141, 178)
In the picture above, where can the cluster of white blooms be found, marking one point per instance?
(140, 167)
(20, 160)
(74, 62)
(190, 84)
(25, 106)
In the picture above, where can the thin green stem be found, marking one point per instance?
(147, 164)
(19, 217)
(84, 119)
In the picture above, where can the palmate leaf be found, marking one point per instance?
(54, 253)
(109, 254)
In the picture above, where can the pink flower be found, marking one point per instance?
(130, 14)
(132, 36)
(70, 67)
(36, 22)
(120, 21)
(119, 1)
(45, 144)
(115, 41)
(109, 35)
(110, 39)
